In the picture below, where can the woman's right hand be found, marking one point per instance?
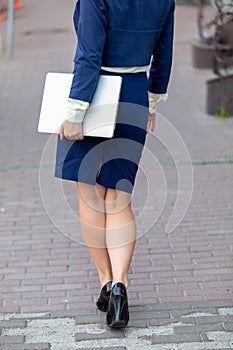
(71, 131)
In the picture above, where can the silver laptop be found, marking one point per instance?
(100, 119)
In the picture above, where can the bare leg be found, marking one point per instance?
(120, 233)
(93, 223)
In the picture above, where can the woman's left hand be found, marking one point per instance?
(71, 131)
(151, 122)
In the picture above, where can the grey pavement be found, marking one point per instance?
(181, 282)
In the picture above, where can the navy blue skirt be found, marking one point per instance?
(112, 163)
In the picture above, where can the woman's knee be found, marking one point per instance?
(91, 196)
(116, 201)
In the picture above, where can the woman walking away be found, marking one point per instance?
(124, 38)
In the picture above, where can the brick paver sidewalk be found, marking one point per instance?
(180, 283)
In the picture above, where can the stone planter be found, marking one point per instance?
(220, 92)
(202, 54)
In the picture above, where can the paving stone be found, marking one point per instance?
(107, 334)
(168, 306)
(89, 319)
(212, 303)
(228, 326)
(62, 313)
(86, 311)
(107, 348)
(176, 338)
(213, 319)
(189, 320)
(148, 315)
(179, 313)
(136, 308)
(198, 329)
(161, 322)
(13, 324)
(138, 323)
(39, 346)
(17, 339)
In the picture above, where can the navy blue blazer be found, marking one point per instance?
(122, 33)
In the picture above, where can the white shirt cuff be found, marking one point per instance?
(154, 99)
(76, 110)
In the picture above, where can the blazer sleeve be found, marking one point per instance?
(90, 22)
(160, 69)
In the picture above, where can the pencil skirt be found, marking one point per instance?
(112, 163)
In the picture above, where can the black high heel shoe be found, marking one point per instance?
(118, 313)
(103, 300)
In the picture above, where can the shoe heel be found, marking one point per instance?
(103, 300)
(105, 305)
(118, 314)
(118, 306)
